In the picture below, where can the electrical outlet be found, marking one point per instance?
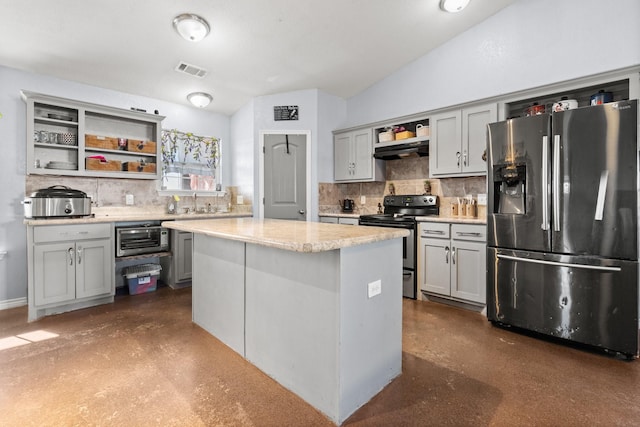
(374, 288)
(240, 200)
(363, 200)
(129, 199)
(482, 199)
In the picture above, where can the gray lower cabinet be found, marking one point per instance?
(452, 261)
(339, 220)
(348, 221)
(177, 268)
(329, 219)
(71, 266)
(184, 256)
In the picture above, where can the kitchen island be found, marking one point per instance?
(316, 306)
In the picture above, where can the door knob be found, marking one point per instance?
(301, 212)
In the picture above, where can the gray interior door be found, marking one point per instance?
(285, 174)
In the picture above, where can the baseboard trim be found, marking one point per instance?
(12, 303)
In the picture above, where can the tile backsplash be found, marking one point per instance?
(408, 177)
(106, 192)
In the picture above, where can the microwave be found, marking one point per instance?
(141, 239)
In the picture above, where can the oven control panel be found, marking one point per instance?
(417, 200)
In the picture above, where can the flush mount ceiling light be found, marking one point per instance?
(200, 99)
(453, 5)
(191, 27)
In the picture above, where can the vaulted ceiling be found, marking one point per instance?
(256, 47)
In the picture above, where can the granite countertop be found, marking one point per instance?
(295, 236)
(124, 214)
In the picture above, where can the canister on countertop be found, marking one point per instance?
(564, 104)
(601, 97)
(470, 210)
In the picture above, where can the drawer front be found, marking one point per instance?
(470, 232)
(59, 233)
(439, 230)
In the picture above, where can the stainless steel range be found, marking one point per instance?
(401, 212)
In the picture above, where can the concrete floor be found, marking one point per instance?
(140, 361)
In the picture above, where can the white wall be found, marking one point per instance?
(332, 112)
(242, 148)
(526, 45)
(13, 269)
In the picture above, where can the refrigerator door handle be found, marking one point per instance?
(556, 183)
(602, 192)
(545, 183)
(560, 264)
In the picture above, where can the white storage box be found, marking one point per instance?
(422, 130)
(386, 136)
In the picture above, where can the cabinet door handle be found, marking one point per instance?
(468, 233)
(71, 255)
(458, 156)
(453, 255)
(446, 254)
(432, 232)
(79, 254)
(464, 158)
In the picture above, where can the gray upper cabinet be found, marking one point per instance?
(67, 137)
(353, 157)
(458, 141)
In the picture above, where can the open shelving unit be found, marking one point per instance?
(60, 135)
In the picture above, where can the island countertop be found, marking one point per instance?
(295, 236)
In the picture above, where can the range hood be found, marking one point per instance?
(401, 151)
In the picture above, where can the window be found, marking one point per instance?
(190, 162)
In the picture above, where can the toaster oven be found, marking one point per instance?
(141, 239)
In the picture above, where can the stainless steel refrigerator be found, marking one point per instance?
(562, 241)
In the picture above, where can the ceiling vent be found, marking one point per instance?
(192, 70)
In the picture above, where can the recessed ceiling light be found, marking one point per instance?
(191, 27)
(200, 99)
(453, 5)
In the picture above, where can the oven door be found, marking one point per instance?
(141, 240)
(409, 279)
